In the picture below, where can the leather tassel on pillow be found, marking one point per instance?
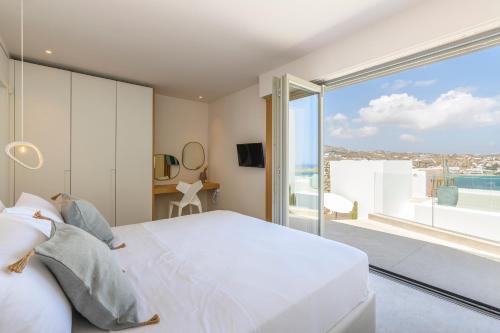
(19, 265)
(119, 246)
(38, 215)
(54, 198)
(154, 320)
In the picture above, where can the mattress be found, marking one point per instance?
(225, 272)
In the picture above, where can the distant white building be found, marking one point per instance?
(476, 171)
(379, 186)
(422, 181)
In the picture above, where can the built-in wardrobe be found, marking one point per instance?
(95, 135)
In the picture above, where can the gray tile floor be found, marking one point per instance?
(453, 270)
(403, 309)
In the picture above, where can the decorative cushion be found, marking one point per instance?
(91, 278)
(35, 203)
(32, 302)
(84, 215)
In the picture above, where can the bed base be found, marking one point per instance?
(359, 320)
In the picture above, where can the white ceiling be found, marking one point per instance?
(183, 48)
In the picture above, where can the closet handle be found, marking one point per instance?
(113, 196)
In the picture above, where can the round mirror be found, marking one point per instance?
(166, 167)
(193, 156)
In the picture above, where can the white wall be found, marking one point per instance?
(4, 128)
(378, 186)
(177, 122)
(419, 184)
(355, 182)
(473, 222)
(237, 118)
(396, 190)
(485, 200)
(428, 24)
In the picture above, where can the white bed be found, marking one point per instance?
(226, 272)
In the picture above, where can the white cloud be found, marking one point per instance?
(456, 108)
(339, 117)
(344, 132)
(408, 138)
(367, 131)
(467, 89)
(424, 83)
(338, 126)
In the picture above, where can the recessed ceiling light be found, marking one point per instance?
(48, 51)
(200, 97)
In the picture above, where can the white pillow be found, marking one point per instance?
(37, 203)
(31, 301)
(2, 207)
(25, 215)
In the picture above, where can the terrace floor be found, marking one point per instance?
(454, 266)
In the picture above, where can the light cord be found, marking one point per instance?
(22, 70)
(10, 148)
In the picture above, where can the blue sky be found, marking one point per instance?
(452, 106)
(305, 131)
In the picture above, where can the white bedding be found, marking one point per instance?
(226, 272)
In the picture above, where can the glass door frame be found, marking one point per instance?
(281, 101)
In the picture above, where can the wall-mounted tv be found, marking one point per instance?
(251, 155)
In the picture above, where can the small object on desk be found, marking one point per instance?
(215, 193)
(203, 175)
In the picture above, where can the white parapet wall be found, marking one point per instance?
(472, 222)
(378, 186)
(486, 200)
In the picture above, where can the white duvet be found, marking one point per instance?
(226, 272)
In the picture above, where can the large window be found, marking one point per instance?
(416, 154)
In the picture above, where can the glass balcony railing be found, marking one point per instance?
(463, 204)
(467, 205)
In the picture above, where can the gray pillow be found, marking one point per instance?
(91, 278)
(84, 215)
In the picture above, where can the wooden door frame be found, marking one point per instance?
(269, 158)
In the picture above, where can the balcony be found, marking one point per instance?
(405, 229)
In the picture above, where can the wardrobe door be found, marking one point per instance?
(47, 96)
(5, 194)
(134, 153)
(93, 131)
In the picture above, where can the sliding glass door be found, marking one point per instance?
(414, 150)
(298, 147)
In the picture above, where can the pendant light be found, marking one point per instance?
(23, 145)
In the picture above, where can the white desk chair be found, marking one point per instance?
(189, 199)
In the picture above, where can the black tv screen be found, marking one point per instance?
(251, 155)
